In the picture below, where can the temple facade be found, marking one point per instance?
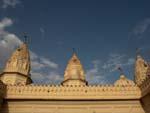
(18, 94)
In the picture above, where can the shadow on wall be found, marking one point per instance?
(5, 108)
(2, 94)
(145, 101)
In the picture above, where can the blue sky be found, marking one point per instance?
(105, 34)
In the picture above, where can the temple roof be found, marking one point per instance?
(123, 81)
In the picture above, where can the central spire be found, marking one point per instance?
(74, 73)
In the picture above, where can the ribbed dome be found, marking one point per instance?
(123, 81)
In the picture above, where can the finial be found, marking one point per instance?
(122, 77)
(25, 38)
(137, 51)
(74, 50)
(121, 70)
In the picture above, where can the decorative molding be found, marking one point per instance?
(54, 92)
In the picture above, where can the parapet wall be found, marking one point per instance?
(60, 92)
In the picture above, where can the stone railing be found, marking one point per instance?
(59, 92)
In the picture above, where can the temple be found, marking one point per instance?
(18, 94)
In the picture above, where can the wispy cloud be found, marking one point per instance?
(53, 77)
(10, 3)
(140, 29)
(9, 42)
(95, 74)
(42, 30)
(5, 23)
(39, 62)
(117, 60)
(101, 71)
(44, 70)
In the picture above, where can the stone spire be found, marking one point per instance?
(141, 67)
(17, 69)
(74, 73)
(19, 61)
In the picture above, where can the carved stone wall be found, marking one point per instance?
(36, 106)
(72, 92)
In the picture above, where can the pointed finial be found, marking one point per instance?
(121, 70)
(74, 50)
(138, 51)
(25, 38)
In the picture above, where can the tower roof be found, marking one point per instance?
(19, 60)
(74, 69)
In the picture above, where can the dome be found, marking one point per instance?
(123, 81)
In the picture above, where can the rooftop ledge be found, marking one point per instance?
(59, 92)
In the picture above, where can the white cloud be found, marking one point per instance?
(33, 55)
(40, 62)
(48, 63)
(10, 3)
(95, 74)
(5, 23)
(44, 70)
(9, 42)
(55, 77)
